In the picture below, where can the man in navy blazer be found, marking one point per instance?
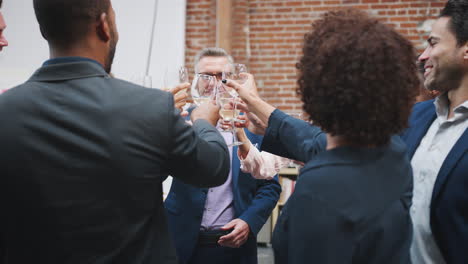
(220, 225)
(437, 140)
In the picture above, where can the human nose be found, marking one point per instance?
(425, 55)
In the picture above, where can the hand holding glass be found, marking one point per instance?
(228, 111)
(203, 88)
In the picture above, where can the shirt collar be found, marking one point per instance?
(442, 104)
(68, 60)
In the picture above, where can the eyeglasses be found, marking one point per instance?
(218, 75)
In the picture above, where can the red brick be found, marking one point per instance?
(277, 28)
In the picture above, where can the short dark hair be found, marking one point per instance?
(64, 22)
(457, 10)
(1, 2)
(357, 77)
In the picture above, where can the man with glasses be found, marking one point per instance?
(219, 225)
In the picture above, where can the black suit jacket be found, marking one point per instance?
(82, 161)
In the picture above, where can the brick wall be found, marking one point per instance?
(274, 30)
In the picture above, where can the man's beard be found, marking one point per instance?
(448, 80)
(110, 55)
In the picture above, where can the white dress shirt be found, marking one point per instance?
(427, 161)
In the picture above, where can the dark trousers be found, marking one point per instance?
(215, 255)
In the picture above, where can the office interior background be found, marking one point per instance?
(266, 35)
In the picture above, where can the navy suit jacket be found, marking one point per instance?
(253, 202)
(449, 204)
(318, 218)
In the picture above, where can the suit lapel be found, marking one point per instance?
(455, 154)
(418, 129)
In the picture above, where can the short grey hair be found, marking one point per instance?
(211, 52)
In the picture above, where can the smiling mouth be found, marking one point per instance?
(427, 70)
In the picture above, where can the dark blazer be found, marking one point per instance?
(449, 204)
(82, 162)
(350, 205)
(253, 202)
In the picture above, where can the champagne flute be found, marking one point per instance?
(233, 72)
(184, 78)
(228, 112)
(183, 74)
(173, 77)
(203, 88)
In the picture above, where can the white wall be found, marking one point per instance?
(28, 50)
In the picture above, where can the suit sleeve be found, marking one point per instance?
(309, 229)
(292, 138)
(198, 154)
(266, 197)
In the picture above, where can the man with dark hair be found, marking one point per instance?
(437, 142)
(3, 41)
(66, 31)
(84, 155)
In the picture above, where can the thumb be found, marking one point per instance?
(229, 225)
(231, 83)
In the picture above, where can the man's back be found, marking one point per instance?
(83, 159)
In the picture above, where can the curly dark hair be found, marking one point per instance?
(357, 77)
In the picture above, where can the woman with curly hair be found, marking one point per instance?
(357, 81)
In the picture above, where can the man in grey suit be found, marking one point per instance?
(84, 155)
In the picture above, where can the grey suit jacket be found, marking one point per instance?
(82, 161)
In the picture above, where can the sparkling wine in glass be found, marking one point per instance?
(203, 89)
(233, 72)
(228, 111)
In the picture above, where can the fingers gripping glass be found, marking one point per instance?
(233, 72)
(203, 89)
(228, 112)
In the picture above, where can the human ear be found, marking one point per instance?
(103, 29)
